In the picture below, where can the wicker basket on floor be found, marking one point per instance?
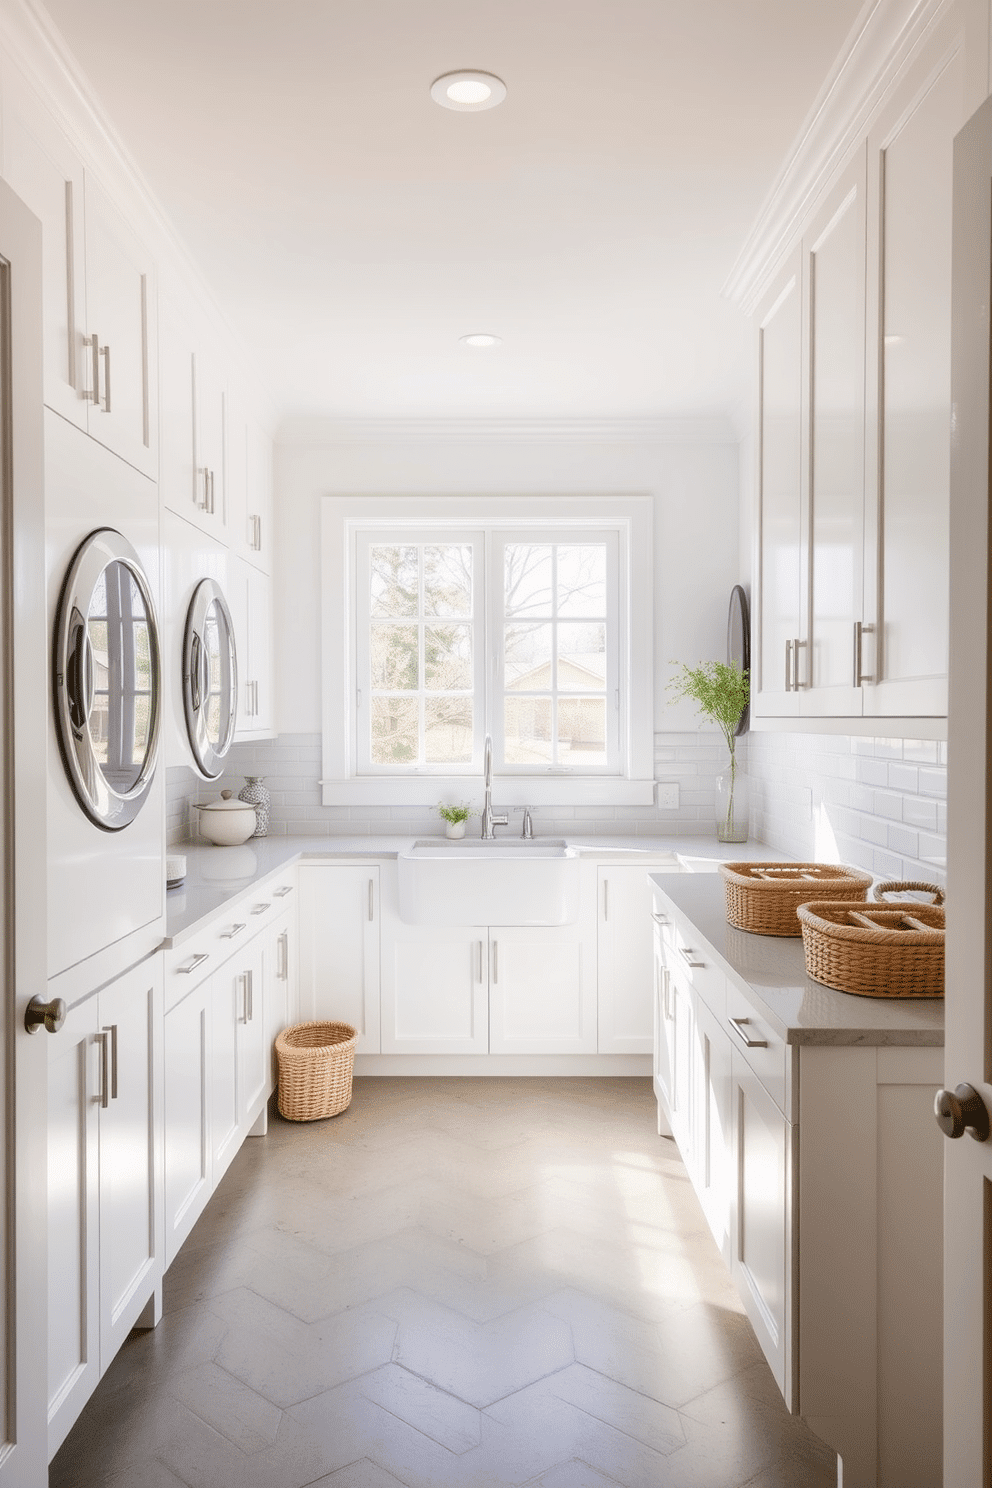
(316, 1062)
(763, 897)
(875, 950)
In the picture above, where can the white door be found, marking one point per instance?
(23, 694)
(542, 989)
(968, 1044)
(626, 961)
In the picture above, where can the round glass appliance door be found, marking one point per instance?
(210, 678)
(107, 680)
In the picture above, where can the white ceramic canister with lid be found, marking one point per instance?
(227, 822)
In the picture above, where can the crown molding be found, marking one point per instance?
(878, 47)
(317, 430)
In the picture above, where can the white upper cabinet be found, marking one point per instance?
(193, 407)
(780, 513)
(910, 173)
(834, 260)
(854, 416)
(99, 286)
(249, 487)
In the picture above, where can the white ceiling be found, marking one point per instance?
(352, 230)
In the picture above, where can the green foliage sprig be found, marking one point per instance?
(454, 814)
(721, 689)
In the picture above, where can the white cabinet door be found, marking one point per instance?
(781, 528)
(910, 182)
(225, 1123)
(188, 1076)
(48, 177)
(834, 254)
(254, 1062)
(664, 1052)
(681, 1024)
(542, 989)
(130, 1127)
(251, 609)
(73, 1219)
(339, 949)
(119, 355)
(104, 1183)
(435, 988)
(762, 1263)
(713, 1109)
(626, 961)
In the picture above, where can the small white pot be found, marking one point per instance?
(454, 829)
(227, 822)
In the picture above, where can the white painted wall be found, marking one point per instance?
(691, 471)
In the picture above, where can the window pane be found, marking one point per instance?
(582, 579)
(527, 658)
(448, 580)
(527, 725)
(448, 730)
(394, 657)
(395, 723)
(395, 581)
(448, 657)
(581, 731)
(581, 658)
(527, 579)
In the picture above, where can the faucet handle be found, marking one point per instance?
(527, 830)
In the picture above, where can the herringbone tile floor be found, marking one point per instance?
(454, 1284)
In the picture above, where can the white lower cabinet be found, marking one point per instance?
(187, 1115)
(625, 973)
(542, 989)
(105, 1084)
(435, 988)
(339, 947)
(763, 1224)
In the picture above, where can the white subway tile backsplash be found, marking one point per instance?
(892, 819)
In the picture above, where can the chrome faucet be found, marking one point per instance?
(488, 819)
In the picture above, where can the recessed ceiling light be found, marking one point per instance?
(480, 338)
(468, 91)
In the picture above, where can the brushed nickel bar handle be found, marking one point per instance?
(740, 1025)
(251, 996)
(495, 962)
(105, 402)
(285, 889)
(282, 966)
(687, 955)
(860, 630)
(195, 961)
(94, 343)
(258, 909)
(606, 898)
(371, 900)
(788, 666)
(234, 930)
(112, 1030)
(104, 1072)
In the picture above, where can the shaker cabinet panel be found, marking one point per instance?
(120, 355)
(836, 309)
(187, 1132)
(339, 948)
(626, 961)
(780, 513)
(542, 990)
(435, 989)
(911, 165)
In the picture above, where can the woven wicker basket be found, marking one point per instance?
(763, 897)
(316, 1062)
(875, 950)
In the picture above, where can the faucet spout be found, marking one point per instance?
(489, 819)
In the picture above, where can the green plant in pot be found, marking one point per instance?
(454, 817)
(721, 691)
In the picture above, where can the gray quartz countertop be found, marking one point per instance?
(216, 875)
(774, 971)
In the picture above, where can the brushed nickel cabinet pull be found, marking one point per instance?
(194, 962)
(740, 1027)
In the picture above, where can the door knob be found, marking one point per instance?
(959, 1110)
(47, 1015)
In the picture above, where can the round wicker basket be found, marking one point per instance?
(875, 950)
(763, 897)
(316, 1063)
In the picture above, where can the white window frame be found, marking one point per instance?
(542, 518)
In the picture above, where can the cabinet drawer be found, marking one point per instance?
(759, 1045)
(187, 965)
(691, 962)
(264, 906)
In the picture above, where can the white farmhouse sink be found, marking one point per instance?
(503, 882)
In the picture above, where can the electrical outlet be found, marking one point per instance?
(666, 795)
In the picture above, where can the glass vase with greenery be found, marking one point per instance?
(721, 690)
